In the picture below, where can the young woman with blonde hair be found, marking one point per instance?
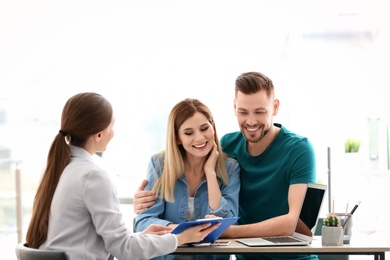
(192, 177)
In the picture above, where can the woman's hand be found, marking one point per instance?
(171, 225)
(196, 233)
(214, 193)
(157, 229)
(209, 166)
(210, 216)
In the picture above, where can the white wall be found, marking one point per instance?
(329, 61)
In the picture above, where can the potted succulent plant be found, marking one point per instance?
(332, 231)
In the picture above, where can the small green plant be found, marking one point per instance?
(352, 146)
(332, 221)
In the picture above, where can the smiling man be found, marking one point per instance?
(276, 164)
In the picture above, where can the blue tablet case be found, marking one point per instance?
(210, 238)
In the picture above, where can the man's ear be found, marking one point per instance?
(276, 107)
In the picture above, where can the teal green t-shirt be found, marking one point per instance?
(265, 179)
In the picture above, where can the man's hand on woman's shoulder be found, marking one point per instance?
(143, 199)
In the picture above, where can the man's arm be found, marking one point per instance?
(143, 199)
(277, 226)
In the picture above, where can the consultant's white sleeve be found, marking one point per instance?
(103, 205)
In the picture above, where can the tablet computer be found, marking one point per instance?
(214, 235)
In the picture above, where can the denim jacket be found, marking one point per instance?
(165, 213)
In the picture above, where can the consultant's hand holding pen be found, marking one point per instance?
(351, 213)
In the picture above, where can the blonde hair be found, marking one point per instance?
(173, 155)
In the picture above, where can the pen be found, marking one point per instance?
(355, 207)
(333, 205)
(352, 211)
(346, 209)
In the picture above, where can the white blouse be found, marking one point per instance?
(85, 219)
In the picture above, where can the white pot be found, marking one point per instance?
(332, 236)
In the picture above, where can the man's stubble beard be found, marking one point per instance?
(264, 133)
